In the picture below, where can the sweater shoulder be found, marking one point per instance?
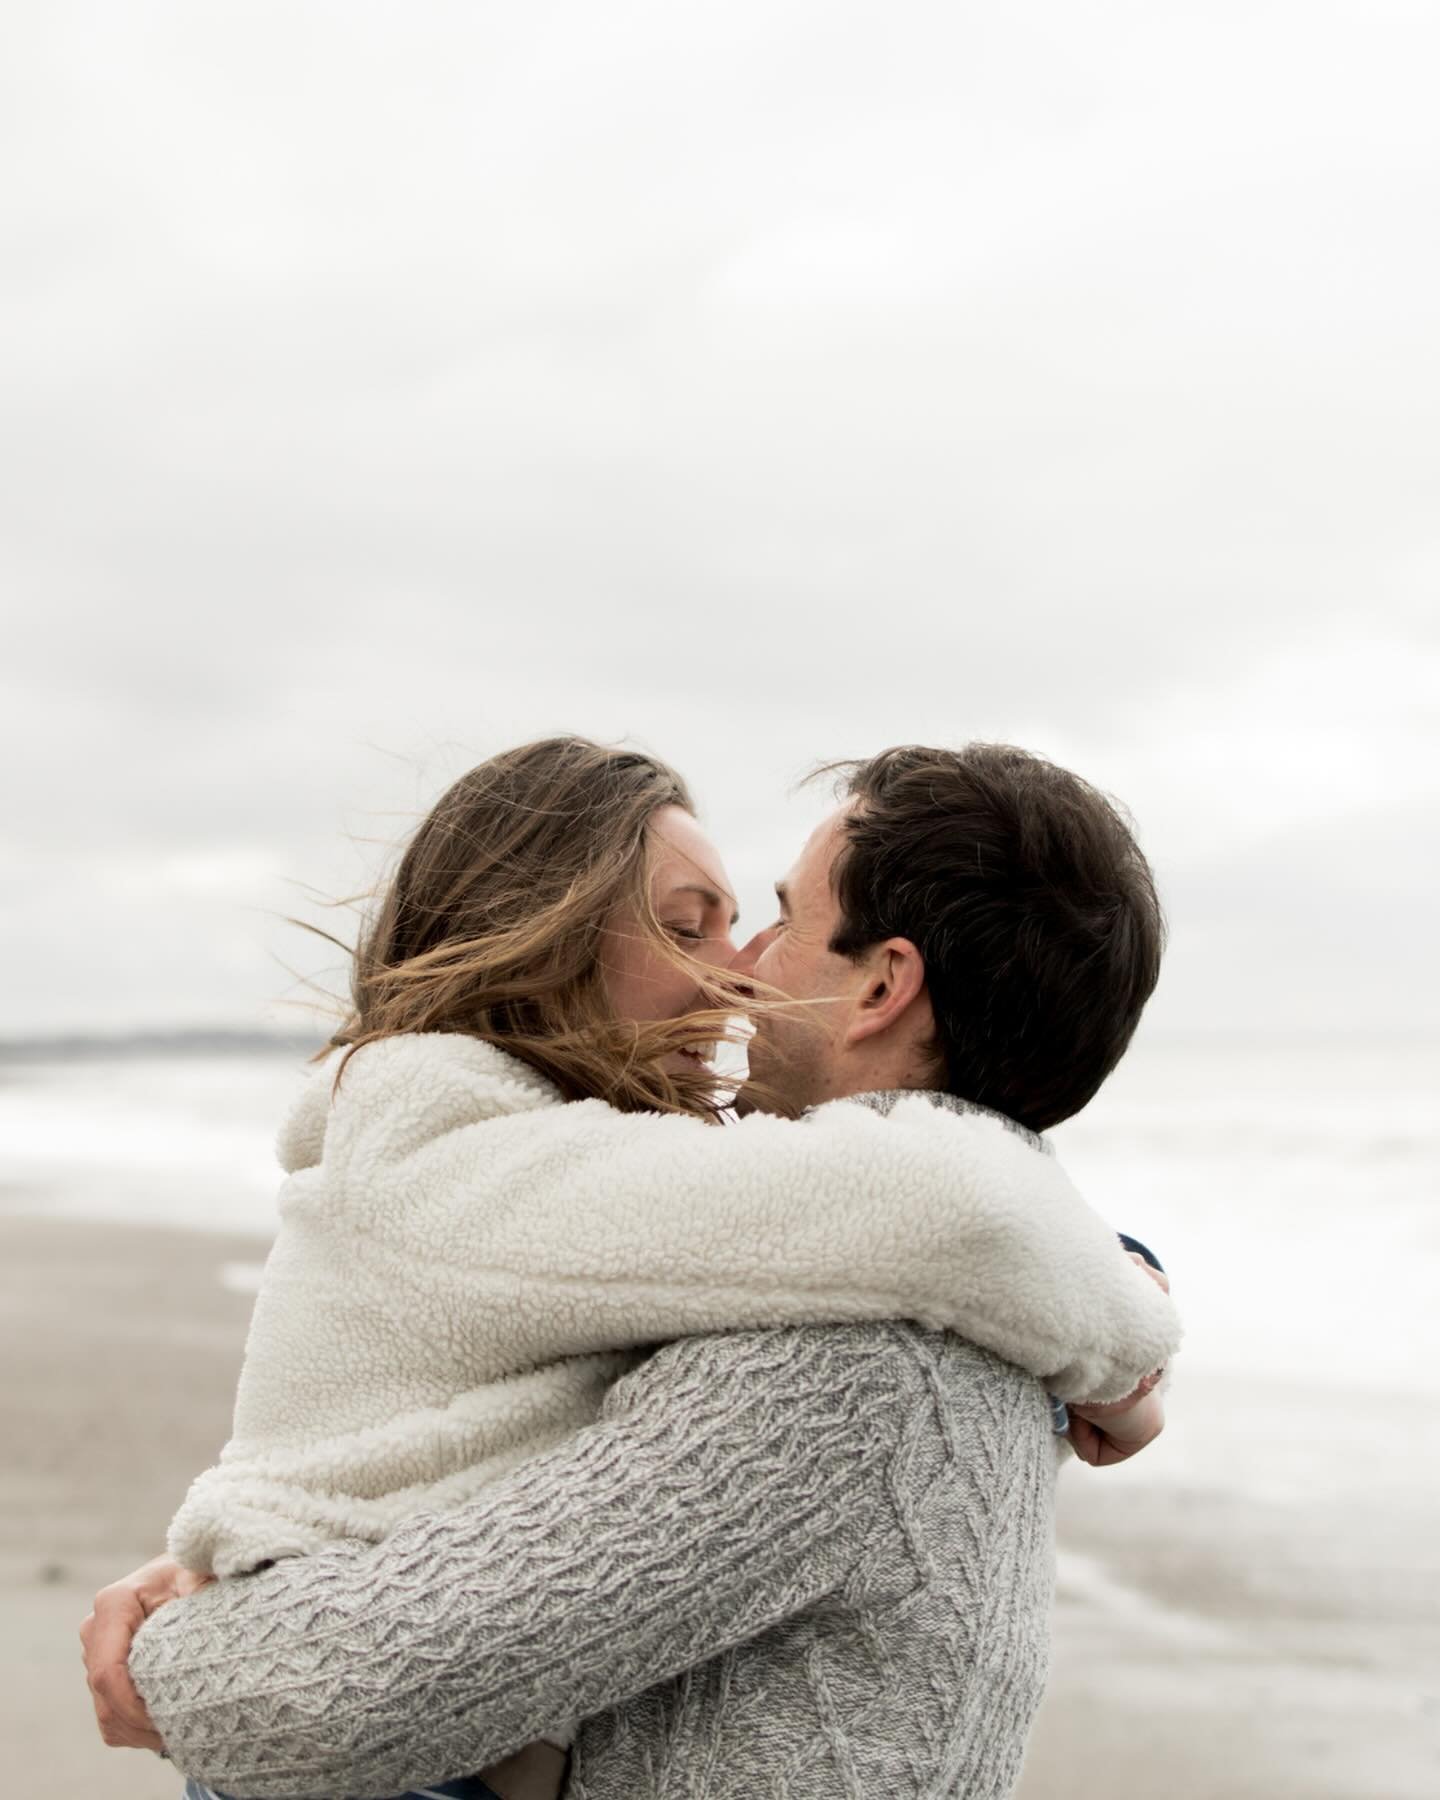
(873, 1380)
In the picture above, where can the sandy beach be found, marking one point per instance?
(1215, 1640)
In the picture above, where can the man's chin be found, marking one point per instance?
(756, 1097)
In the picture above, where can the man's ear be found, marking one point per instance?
(894, 981)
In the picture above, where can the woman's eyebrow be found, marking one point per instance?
(708, 895)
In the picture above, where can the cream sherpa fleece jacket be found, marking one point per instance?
(466, 1263)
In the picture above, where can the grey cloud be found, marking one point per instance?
(383, 387)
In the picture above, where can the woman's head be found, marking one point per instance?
(560, 901)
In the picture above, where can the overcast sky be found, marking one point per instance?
(384, 384)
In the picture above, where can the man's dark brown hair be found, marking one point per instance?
(1029, 901)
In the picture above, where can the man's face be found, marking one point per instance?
(793, 1053)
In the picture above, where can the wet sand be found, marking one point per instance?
(1244, 1614)
(1214, 1647)
(120, 1349)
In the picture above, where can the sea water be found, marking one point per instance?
(1293, 1191)
(181, 1139)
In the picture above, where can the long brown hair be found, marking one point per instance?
(492, 926)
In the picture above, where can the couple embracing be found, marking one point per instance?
(599, 1437)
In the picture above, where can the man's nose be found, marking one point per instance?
(746, 959)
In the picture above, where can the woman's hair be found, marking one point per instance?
(492, 926)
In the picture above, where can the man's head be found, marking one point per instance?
(975, 920)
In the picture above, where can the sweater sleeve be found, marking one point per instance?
(599, 1230)
(726, 1486)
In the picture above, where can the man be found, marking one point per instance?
(806, 1562)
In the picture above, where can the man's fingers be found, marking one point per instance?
(186, 1582)
(119, 1710)
(121, 1733)
(108, 1631)
(112, 1684)
(106, 1635)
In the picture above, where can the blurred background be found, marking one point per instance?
(385, 385)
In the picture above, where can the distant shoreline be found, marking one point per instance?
(190, 1041)
(221, 1040)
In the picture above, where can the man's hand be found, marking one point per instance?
(120, 1610)
(1112, 1433)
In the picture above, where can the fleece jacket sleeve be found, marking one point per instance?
(597, 1229)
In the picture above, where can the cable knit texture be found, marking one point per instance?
(812, 1562)
(465, 1264)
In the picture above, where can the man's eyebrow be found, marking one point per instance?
(708, 895)
(782, 894)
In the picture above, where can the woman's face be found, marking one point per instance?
(693, 900)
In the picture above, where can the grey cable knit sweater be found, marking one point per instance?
(813, 1561)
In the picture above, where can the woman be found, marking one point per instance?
(517, 1179)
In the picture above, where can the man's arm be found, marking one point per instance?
(727, 1485)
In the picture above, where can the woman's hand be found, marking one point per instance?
(106, 1634)
(1103, 1435)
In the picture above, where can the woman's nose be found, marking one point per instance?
(719, 952)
